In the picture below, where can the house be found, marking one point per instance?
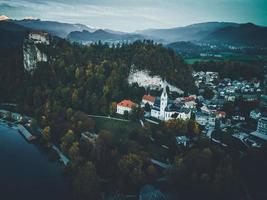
(148, 99)
(182, 140)
(190, 102)
(220, 114)
(261, 131)
(148, 192)
(88, 136)
(255, 114)
(166, 109)
(125, 106)
(39, 37)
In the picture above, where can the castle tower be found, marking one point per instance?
(163, 102)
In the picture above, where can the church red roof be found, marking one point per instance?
(149, 98)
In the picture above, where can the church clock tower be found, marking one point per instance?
(163, 102)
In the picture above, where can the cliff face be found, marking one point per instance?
(31, 56)
(32, 53)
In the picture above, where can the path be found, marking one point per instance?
(149, 120)
(107, 117)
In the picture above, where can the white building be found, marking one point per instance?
(39, 37)
(165, 109)
(182, 140)
(261, 131)
(255, 114)
(125, 106)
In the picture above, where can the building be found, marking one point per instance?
(125, 106)
(165, 109)
(261, 131)
(39, 37)
(255, 114)
(89, 137)
(148, 99)
(182, 140)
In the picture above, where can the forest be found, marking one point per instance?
(232, 69)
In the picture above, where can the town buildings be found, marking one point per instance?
(166, 109)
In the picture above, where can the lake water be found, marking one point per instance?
(26, 173)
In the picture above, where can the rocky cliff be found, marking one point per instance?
(33, 53)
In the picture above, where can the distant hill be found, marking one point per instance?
(103, 35)
(187, 33)
(55, 28)
(11, 34)
(185, 48)
(244, 34)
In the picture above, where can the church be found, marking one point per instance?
(165, 109)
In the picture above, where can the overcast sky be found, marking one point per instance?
(130, 15)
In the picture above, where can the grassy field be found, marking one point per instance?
(227, 56)
(121, 129)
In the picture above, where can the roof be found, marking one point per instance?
(180, 139)
(190, 98)
(149, 98)
(126, 103)
(222, 113)
(37, 32)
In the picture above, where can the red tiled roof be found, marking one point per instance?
(222, 113)
(127, 103)
(149, 98)
(190, 98)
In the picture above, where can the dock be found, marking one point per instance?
(24, 132)
(63, 158)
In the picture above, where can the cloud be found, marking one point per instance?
(129, 15)
(3, 17)
(6, 6)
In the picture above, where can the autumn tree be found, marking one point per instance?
(67, 140)
(86, 183)
(47, 134)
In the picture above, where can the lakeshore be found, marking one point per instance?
(28, 169)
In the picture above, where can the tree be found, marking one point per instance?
(208, 93)
(69, 113)
(131, 169)
(126, 114)
(112, 108)
(47, 134)
(136, 113)
(86, 183)
(67, 140)
(74, 156)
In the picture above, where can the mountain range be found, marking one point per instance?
(211, 32)
(111, 37)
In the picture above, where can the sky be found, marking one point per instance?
(131, 15)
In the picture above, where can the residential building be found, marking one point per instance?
(261, 131)
(125, 106)
(148, 99)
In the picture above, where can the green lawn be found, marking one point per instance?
(121, 129)
(227, 56)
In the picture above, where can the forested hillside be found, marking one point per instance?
(90, 78)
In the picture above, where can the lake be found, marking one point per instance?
(26, 172)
